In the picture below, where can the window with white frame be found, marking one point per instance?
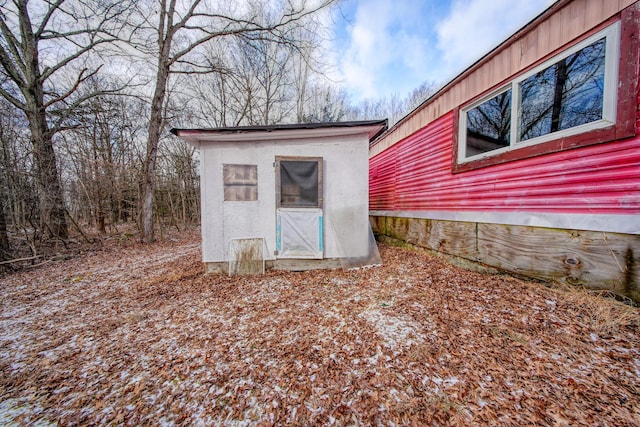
(572, 93)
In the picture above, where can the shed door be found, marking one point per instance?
(299, 200)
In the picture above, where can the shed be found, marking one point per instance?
(299, 191)
(529, 160)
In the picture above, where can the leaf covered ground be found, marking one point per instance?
(137, 334)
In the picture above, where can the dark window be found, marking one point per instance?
(489, 125)
(300, 183)
(567, 94)
(579, 97)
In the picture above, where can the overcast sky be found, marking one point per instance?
(384, 47)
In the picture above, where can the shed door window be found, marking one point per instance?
(240, 183)
(299, 182)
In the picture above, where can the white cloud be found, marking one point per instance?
(474, 27)
(367, 49)
(383, 45)
(393, 46)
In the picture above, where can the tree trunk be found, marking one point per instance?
(52, 209)
(558, 93)
(5, 247)
(155, 128)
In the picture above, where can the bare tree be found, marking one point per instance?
(392, 107)
(179, 30)
(566, 94)
(325, 102)
(269, 61)
(42, 50)
(18, 188)
(5, 247)
(101, 160)
(419, 95)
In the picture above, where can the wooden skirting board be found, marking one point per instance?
(596, 260)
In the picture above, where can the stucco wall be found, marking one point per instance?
(345, 182)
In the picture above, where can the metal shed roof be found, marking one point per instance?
(281, 131)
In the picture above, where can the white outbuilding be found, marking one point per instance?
(285, 196)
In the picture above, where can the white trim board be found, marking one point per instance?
(626, 224)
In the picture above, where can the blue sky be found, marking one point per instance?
(386, 47)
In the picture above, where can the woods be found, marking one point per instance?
(90, 90)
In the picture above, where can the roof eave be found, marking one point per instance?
(373, 128)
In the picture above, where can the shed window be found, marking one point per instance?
(573, 93)
(299, 182)
(240, 183)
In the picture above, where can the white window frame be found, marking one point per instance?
(610, 95)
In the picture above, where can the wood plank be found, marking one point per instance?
(606, 261)
(593, 259)
(473, 88)
(626, 3)
(577, 18)
(555, 31)
(543, 37)
(504, 61)
(593, 12)
(610, 7)
(449, 237)
(529, 49)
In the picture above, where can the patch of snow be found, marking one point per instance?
(15, 409)
(17, 366)
(395, 332)
(440, 383)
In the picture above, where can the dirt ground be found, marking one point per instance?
(135, 334)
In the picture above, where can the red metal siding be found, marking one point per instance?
(416, 174)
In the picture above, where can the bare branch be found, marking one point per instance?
(49, 71)
(79, 80)
(45, 20)
(12, 99)
(190, 14)
(242, 27)
(8, 63)
(64, 113)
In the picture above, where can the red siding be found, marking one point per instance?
(416, 174)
